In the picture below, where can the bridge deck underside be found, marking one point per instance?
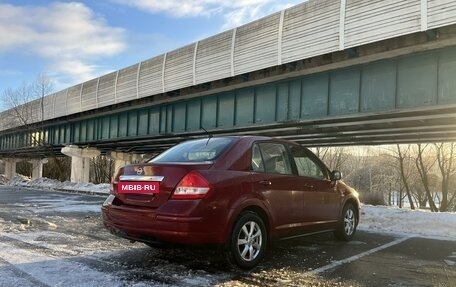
(429, 125)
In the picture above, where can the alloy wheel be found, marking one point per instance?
(349, 222)
(249, 241)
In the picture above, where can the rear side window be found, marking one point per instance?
(195, 151)
(257, 160)
(270, 158)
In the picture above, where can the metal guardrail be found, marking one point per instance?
(309, 29)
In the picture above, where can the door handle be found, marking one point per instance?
(308, 186)
(265, 182)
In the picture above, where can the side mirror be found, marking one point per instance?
(336, 175)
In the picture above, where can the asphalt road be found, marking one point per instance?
(44, 234)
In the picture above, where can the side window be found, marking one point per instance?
(306, 165)
(275, 158)
(257, 161)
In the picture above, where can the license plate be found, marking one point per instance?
(148, 187)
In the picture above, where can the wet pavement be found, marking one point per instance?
(57, 239)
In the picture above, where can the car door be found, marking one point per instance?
(273, 178)
(321, 200)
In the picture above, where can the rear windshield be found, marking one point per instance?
(195, 150)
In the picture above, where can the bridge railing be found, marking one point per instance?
(309, 29)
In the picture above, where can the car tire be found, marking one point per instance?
(347, 224)
(248, 241)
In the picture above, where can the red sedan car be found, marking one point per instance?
(234, 192)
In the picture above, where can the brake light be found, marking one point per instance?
(115, 181)
(192, 186)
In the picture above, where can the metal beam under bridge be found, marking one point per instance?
(404, 99)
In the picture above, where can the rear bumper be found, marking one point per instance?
(152, 226)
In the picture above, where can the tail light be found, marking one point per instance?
(192, 186)
(115, 181)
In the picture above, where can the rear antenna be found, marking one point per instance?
(208, 134)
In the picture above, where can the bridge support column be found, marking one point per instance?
(10, 167)
(80, 162)
(37, 167)
(122, 158)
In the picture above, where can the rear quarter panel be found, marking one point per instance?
(228, 186)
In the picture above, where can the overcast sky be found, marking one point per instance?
(74, 41)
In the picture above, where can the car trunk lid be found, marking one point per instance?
(151, 184)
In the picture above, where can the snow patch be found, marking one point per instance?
(46, 183)
(47, 270)
(3, 179)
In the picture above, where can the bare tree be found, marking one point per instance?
(424, 165)
(404, 173)
(445, 159)
(422, 174)
(26, 109)
(357, 170)
(58, 168)
(26, 105)
(334, 157)
(102, 169)
(385, 180)
(16, 100)
(369, 171)
(43, 87)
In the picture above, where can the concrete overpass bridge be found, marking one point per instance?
(328, 72)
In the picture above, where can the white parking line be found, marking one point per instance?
(358, 256)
